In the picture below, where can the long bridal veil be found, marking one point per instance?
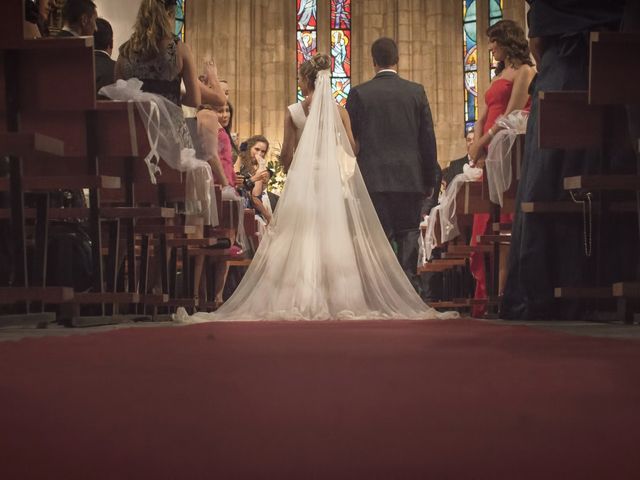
(325, 255)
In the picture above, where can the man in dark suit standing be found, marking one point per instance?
(456, 167)
(103, 47)
(79, 18)
(392, 125)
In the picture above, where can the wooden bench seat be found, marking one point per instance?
(449, 304)
(626, 289)
(20, 144)
(442, 265)
(583, 292)
(602, 182)
(36, 294)
(106, 297)
(572, 207)
(469, 249)
(106, 213)
(503, 239)
(70, 182)
(498, 227)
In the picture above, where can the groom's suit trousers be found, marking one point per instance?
(399, 214)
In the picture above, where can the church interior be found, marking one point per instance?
(532, 235)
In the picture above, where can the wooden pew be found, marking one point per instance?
(566, 120)
(612, 77)
(28, 71)
(575, 120)
(474, 198)
(88, 135)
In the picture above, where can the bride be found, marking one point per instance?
(324, 255)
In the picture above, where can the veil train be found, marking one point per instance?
(325, 255)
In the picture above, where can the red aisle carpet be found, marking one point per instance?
(431, 400)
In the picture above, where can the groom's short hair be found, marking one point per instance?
(384, 52)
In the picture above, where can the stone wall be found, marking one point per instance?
(121, 14)
(253, 43)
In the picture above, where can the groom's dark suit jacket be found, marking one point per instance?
(391, 120)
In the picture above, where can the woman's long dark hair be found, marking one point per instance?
(227, 129)
(510, 36)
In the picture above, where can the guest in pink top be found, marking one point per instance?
(225, 150)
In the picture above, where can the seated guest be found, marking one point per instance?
(79, 18)
(103, 45)
(158, 58)
(225, 149)
(36, 18)
(455, 167)
(250, 163)
(211, 96)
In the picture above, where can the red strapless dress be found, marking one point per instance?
(496, 99)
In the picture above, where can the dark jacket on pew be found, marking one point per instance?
(105, 66)
(454, 168)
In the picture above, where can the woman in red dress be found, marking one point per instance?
(508, 92)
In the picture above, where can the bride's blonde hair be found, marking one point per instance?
(310, 68)
(154, 25)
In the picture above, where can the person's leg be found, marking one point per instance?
(221, 271)
(384, 209)
(406, 208)
(199, 260)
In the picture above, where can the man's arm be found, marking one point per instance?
(353, 106)
(427, 143)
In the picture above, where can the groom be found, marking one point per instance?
(392, 125)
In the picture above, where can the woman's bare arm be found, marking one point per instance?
(520, 92)
(517, 101)
(211, 91)
(189, 76)
(288, 143)
(346, 121)
(256, 200)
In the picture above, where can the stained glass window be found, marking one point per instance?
(470, 65)
(306, 33)
(495, 15)
(340, 50)
(180, 19)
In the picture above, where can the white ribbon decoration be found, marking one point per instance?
(161, 118)
(498, 162)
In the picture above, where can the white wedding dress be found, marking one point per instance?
(324, 256)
